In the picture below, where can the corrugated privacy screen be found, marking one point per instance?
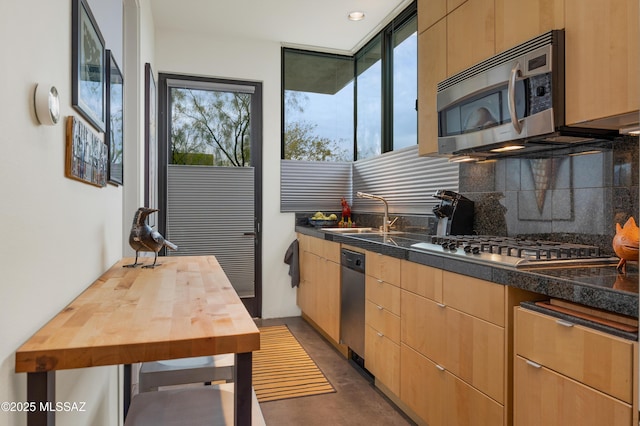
(313, 185)
(405, 179)
(209, 211)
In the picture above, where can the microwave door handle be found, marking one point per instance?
(511, 101)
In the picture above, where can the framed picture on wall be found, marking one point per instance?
(86, 154)
(115, 114)
(88, 66)
(151, 142)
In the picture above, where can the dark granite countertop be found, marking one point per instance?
(599, 287)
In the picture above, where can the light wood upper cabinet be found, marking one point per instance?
(470, 34)
(520, 20)
(430, 12)
(452, 4)
(602, 44)
(432, 68)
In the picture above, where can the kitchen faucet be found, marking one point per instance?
(385, 220)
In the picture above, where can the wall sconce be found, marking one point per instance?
(47, 104)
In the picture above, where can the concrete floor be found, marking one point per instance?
(355, 402)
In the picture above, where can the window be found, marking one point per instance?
(405, 84)
(338, 108)
(317, 106)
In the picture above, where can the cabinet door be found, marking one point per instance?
(432, 68)
(602, 43)
(429, 12)
(382, 358)
(423, 326)
(327, 291)
(306, 296)
(520, 20)
(544, 397)
(470, 34)
(423, 386)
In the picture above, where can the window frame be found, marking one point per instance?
(385, 37)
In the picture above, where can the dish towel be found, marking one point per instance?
(291, 259)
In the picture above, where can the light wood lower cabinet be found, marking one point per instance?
(382, 320)
(318, 294)
(570, 374)
(440, 398)
(460, 327)
(544, 397)
(382, 358)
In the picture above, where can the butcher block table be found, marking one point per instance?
(186, 307)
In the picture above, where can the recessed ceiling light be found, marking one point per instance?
(356, 16)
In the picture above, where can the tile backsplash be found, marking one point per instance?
(565, 198)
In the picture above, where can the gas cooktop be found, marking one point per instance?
(515, 252)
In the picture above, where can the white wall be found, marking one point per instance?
(57, 235)
(195, 54)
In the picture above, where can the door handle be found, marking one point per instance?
(511, 99)
(249, 234)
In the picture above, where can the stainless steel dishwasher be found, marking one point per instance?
(352, 303)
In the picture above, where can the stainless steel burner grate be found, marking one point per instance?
(515, 252)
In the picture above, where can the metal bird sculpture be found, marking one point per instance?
(143, 238)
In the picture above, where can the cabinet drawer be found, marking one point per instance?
(329, 250)
(594, 358)
(423, 386)
(423, 280)
(385, 268)
(544, 397)
(468, 406)
(476, 352)
(440, 398)
(423, 326)
(476, 297)
(383, 321)
(383, 294)
(382, 359)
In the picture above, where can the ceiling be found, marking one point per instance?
(317, 24)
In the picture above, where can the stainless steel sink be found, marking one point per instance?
(351, 230)
(368, 231)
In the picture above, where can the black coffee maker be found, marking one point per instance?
(454, 213)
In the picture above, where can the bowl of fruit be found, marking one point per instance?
(319, 220)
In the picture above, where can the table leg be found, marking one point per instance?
(126, 391)
(243, 389)
(41, 391)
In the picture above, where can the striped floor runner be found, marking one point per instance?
(282, 368)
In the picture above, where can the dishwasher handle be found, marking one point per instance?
(352, 260)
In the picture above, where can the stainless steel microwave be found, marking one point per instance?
(510, 102)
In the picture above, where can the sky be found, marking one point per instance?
(333, 114)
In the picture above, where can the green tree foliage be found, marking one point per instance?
(213, 128)
(300, 139)
(213, 123)
(302, 144)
